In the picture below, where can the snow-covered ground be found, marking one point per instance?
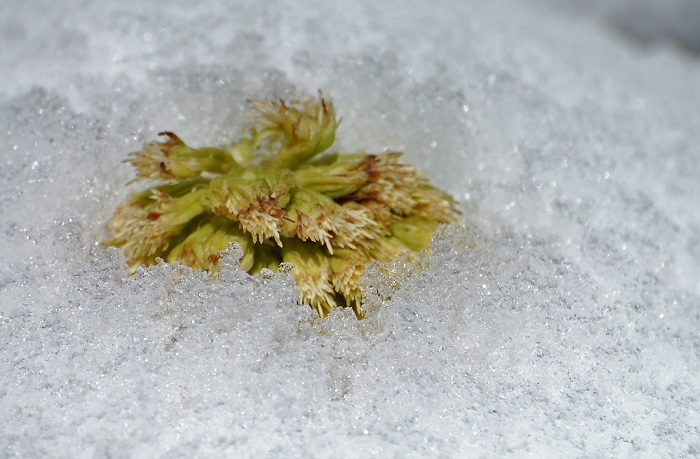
(563, 320)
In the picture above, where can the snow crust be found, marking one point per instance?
(562, 320)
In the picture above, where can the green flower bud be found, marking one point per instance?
(326, 218)
(347, 266)
(303, 129)
(200, 249)
(266, 255)
(144, 225)
(173, 159)
(390, 182)
(341, 178)
(255, 197)
(312, 272)
(316, 217)
(435, 204)
(388, 248)
(415, 232)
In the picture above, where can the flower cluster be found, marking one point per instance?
(271, 192)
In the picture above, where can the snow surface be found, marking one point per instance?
(646, 22)
(562, 321)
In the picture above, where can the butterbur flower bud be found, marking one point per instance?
(341, 178)
(415, 232)
(255, 197)
(312, 272)
(173, 159)
(304, 128)
(324, 218)
(347, 266)
(144, 225)
(316, 217)
(390, 182)
(355, 227)
(432, 203)
(242, 151)
(388, 248)
(309, 217)
(379, 213)
(200, 248)
(265, 255)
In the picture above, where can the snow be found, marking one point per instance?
(562, 320)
